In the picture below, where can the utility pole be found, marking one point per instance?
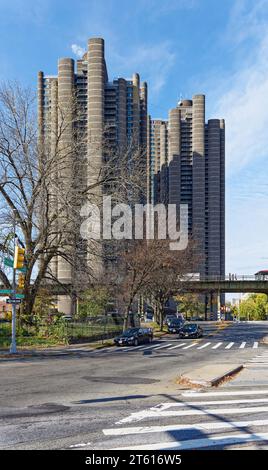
(13, 346)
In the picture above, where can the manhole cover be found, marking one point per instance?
(33, 410)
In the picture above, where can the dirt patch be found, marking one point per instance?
(187, 383)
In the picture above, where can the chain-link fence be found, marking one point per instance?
(52, 331)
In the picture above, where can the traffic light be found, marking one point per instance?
(19, 257)
(21, 280)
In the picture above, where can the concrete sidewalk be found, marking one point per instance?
(210, 375)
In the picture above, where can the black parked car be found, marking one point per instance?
(191, 330)
(170, 318)
(134, 337)
(175, 325)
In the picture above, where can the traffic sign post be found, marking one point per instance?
(13, 301)
(13, 346)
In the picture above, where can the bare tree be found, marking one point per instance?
(149, 268)
(43, 186)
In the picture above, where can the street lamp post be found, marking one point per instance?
(13, 346)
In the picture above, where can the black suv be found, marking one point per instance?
(134, 337)
(175, 325)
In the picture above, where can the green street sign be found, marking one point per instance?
(8, 262)
(20, 296)
(6, 291)
(22, 270)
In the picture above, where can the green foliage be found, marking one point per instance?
(94, 302)
(43, 305)
(254, 308)
(189, 305)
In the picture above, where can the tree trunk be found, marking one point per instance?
(161, 316)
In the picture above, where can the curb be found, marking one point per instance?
(213, 382)
(264, 340)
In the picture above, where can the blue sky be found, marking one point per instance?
(180, 47)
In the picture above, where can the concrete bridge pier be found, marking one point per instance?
(213, 305)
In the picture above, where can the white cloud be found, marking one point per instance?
(154, 62)
(242, 97)
(78, 50)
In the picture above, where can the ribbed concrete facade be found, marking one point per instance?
(115, 110)
(195, 175)
(174, 157)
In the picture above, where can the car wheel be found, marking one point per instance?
(136, 342)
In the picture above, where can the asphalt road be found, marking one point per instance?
(78, 400)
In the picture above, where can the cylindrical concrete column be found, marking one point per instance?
(40, 109)
(174, 161)
(136, 109)
(143, 117)
(163, 164)
(122, 113)
(54, 169)
(95, 108)
(198, 149)
(65, 166)
(95, 131)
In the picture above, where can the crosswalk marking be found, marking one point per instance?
(167, 405)
(171, 346)
(211, 425)
(150, 347)
(204, 346)
(190, 345)
(163, 346)
(225, 394)
(210, 441)
(216, 346)
(177, 346)
(206, 419)
(140, 415)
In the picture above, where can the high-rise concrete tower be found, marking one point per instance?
(194, 175)
(116, 109)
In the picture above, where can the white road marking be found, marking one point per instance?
(145, 414)
(257, 364)
(216, 346)
(242, 345)
(123, 349)
(211, 425)
(259, 361)
(204, 346)
(255, 345)
(177, 346)
(190, 345)
(152, 347)
(163, 346)
(199, 443)
(83, 444)
(229, 346)
(215, 394)
(165, 406)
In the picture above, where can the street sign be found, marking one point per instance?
(13, 301)
(20, 296)
(8, 262)
(22, 270)
(6, 291)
